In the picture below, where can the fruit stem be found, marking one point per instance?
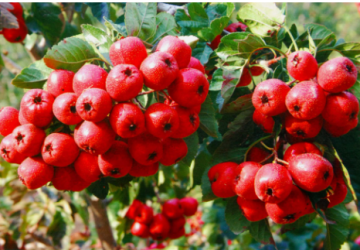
(265, 146)
(136, 101)
(253, 144)
(289, 83)
(267, 157)
(146, 92)
(292, 38)
(166, 95)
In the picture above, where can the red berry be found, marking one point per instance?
(127, 120)
(124, 82)
(139, 170)
(221, 177)
(189, 122)
(336, 131)
(16, 35)
(116, 162)
(172, 209)
(269, 97)
(17, 10)
(253, 210)
(337, 75)
(177, 48)
(303, 129)
(301, 65)
(144, 215)
(190, 206)
(8, 151)
(67, 179)
(9, 120)
(36, 107)
(236, 27)
(129, 50)
(94, 104)
(160, 227)
(306, 100)
(257, 154)
(22, 119)
(89, 76)
(86, 166)
(140, 230)
(146, 149)
(300, 148)
(273, 183)
(59, 150)
(215, 43)
(266, 123)
(196, 64)
(161, 120)
(35, 173)
(245, 179)
(94, 138)
(311, 172)
(64, 109)
(245, 79)
(175, 234)
(29, 139)
(174, 151)
(338, 196)
(256, 70)
(134, 209)
(60, 81)
(159, 70)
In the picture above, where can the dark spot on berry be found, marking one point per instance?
(239, 29)
(296, 60)
(37, 99)
(326, 175)
(289, 217)
(167, 126)
(128, 72)
(269, 192)
(152, 156)
(101, 176)
(168, 63)
(200, 90)
(87, 106)
(62, 89)
(178, 159)
(296, 108)
(192, 119)
(73, 109)
(19, 137)
(132, 127)
(237, 178)
(353, 115)
(264, 99)
(5, 152)
(349, 68)
(48, 148)
(301, 133)
(115, 171)
(323, 204)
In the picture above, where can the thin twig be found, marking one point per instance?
(146, 92)
(10, 65)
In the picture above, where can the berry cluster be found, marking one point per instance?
(278, 191)
(170, 223)
(16, 35)
(319, 99)
(102, 130)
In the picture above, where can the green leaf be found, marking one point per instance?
(192, 143)
(239, 105)
(202, 161)
(32, 77)
(46, 18)
(140, 20)
(218, 10)
(300, 223)
(234, 217)
(208, 122)
(350, 50)
(1, 61)
(202, 52)
(216, 28)
(260, 230)
(197, 13)
(261, 18)
(207, 192)
(337, 233)
(57, 228)
(99, 10)
(166, 25)
(71, 54)
(120, 182)
(119, 28)
(217, 80)
(197, 20)
(99, 188)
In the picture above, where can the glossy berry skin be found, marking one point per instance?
(190, 88)
(59, 150)
(139, 170)
(245, 179)
(146, 149)
(89, 76)
(290, 209)
(215, 43)
(337, 75)
(245, 79)
(129, 50)
(94, 138)
(177, 224)
(161, 120)
(36, 107)
(311, 172)
(189, 122)
(87, 167)
(22, 120)
(144, 215)
(66, 179)
(306, 100)
(140, 230)
(159, 70)
(256, 70)
(221, 177)
(8, 151)
(269, 97)
(35, 173)
(159, 227)
(116, 162)
(301, 65)
(257, 154)
(134, 209)
(189, 205)
(236, 27)
(253, 210)
(177, 48)
(60, 81)
(16, 35)
(176, 234)
(336, 131)
(127, 120)
(29, 139)
(196, 64)
(338, 196)
(174, 151)
(173, 209)
(9, 120)
(124, 82)
(301, 148)
(273, 183)
(93, 104)
(301, 128)
(266, 123)
(64, 108)
(341, 109)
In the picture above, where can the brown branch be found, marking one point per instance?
(10, 65)
(39, 237)
(146, 92)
